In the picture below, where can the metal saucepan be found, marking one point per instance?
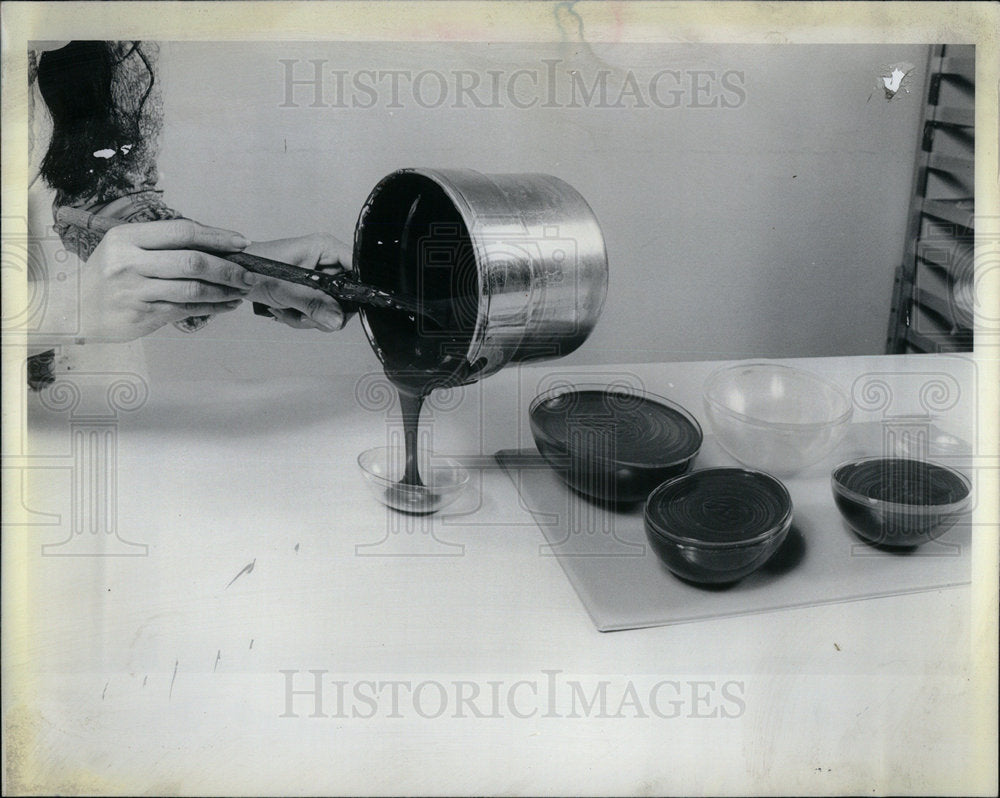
(520, 258)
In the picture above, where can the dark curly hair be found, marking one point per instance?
(97, 98)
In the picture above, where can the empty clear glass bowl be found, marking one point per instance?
(776, 418)
(444, 480)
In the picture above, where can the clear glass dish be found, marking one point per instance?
(444, 480)
(776, 418)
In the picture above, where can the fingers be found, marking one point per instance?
(179, 234)
(324, 312)
(295, 319)
(188, 291)
(174, 311)
(334, 253)
(317, 307)
(193, 265)
(311, 251)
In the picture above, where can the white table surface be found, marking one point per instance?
(164, 673)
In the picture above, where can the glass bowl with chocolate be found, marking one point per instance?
(440, 482)
(717, 525)
(900, 502)
(613, 443)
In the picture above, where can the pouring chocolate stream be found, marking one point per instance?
(419, 361)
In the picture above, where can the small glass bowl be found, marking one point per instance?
(918, 437)
(776, 418)
(899, 502)
(444, 480)
(717, 525)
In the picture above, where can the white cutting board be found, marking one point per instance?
(623, 585)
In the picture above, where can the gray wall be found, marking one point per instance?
(767, 228)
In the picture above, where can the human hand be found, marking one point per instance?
(143, 276)
(296, 305)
